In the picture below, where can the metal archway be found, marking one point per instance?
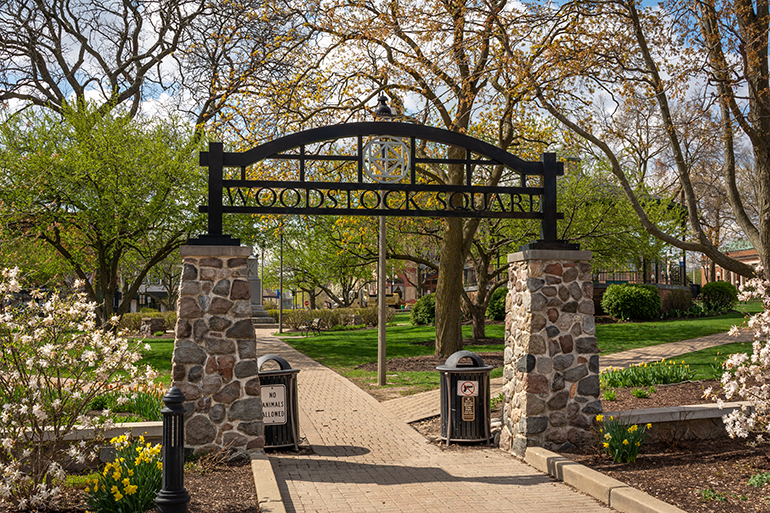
(361, 197)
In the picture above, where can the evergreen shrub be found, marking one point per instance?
(496, 306)
(424, 310)
(632, 301)
(719, 296)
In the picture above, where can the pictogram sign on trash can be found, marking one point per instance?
(464, 398)
(279, 403)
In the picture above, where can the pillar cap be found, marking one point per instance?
(549, 254)
(223, 251)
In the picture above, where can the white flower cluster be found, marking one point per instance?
(747, 377)
(53, 362)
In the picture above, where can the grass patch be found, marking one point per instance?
(707, 363)
(614, 338)
(343, 351)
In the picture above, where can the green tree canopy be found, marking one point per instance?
(101, 190)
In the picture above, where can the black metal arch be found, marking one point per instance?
(335, 198)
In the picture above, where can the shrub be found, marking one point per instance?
(54, 362)
(496, 306)
(371, 316)
(621, 440)
(270, 305)
(719, 296)
(133, 321)
(679, 300)
(131, 482)
(424, 310)
(632, 301)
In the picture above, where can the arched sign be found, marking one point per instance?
(384, 170)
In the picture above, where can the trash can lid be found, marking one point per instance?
(282, 363)
(452, 363)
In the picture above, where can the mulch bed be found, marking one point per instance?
(222, 489)
(696, 476)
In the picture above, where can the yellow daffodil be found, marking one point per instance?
(600, 418)
(625, 441)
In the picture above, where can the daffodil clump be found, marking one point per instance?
(646, 374)
(621, 440)
(131, 482)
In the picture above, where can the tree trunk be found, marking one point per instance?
(449, 290)
(479, 313)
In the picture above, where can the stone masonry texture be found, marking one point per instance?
(214, 362)
(551, 376)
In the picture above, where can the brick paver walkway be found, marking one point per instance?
(366, 459)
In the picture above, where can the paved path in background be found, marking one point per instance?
(367, 459)
(671, 350)
(412, 408)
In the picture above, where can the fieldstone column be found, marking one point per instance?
(551, 377)
(215, 357)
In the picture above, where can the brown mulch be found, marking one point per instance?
(696, 476)
(428, 362)
(221, 489)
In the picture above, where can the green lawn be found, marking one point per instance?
(707, 362)
(614, 338)
(345, 350)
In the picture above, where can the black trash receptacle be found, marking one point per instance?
(464, 398)
(279, 403)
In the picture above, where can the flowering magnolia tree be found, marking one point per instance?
(54, 361)
(747, 377)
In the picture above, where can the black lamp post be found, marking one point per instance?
(173, 496)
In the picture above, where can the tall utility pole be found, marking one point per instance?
(280, 288)
(382, 317)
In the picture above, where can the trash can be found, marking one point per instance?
(464, 398)
(279, 403)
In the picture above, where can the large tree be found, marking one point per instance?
(593, 60)
(439, 62)
(100, 190)
(195, 54)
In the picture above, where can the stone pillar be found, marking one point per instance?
(551, 377)
(215, 357)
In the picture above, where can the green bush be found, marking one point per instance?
(496, 306)
(719, 296)
(133, 321)
(632, 301)
(370, 315)
(424, 310)
(679, 300)
(328, 318)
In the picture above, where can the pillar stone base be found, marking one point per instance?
(215, 358)
(551, 376)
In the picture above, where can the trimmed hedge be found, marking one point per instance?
(632, 301)
(329, 318)
(424, 310)
(719, 296)
(496, 306)
(133, 321)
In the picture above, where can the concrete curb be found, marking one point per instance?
(268, 494)
(614, 493)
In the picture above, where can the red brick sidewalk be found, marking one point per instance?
(366, 459)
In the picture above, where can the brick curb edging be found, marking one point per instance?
(268, 494)
(612, 492)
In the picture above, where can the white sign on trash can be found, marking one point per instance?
(274, 404)
(468, 388)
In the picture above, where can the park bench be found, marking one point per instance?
(314, 326)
